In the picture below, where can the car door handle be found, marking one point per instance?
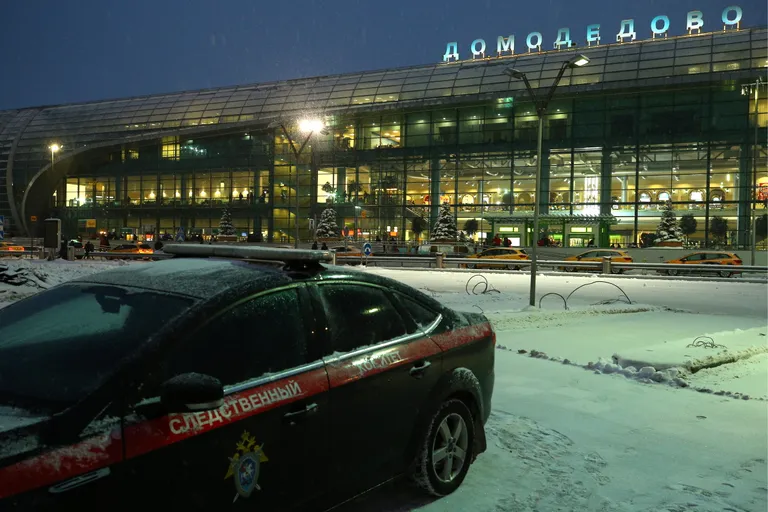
(306, 411)
(80, 480)
(419, 368)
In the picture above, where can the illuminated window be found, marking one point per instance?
(170, 148)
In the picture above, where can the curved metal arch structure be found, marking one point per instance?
(25, 134)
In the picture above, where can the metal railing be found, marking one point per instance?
(41, 254)
(606, 266)
(440, 261)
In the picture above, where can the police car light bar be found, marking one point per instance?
(248, 252)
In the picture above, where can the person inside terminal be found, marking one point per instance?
(678, 118)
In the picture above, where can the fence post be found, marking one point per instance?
(439, 260)
(606, 264)
(333, 257)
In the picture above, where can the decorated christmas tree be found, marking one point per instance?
(668, 229)
(326, 226)
(445, 227)
(225, 224)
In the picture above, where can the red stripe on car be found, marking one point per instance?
(452, 339)
(60, 464)
(350, 369)
(145, 436)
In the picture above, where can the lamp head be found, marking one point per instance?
(578, 61)
(514, 73)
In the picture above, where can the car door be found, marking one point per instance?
(381, 370)
(257, 450)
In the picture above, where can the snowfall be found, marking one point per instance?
(618, 394)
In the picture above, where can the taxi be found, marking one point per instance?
(7, 247)
(719, 258)
(348, 251)
(501, 257)
(236, 378)
(597, 255)
(140, 248)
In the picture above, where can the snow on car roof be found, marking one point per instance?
(196, 277)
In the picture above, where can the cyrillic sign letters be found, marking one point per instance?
(659, 27)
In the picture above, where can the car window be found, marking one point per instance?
(260, 336)
(359, 316)
(60, 345)
(422, 316)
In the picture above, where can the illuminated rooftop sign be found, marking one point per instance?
(505, 46)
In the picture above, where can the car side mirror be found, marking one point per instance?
(191, 392)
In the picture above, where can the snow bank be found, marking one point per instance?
(694, 354)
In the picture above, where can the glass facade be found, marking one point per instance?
(678, 119)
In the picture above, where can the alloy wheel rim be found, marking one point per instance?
(449, 448)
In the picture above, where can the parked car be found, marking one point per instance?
(236, 374)
(139, 248)
(719, 258)
(347, 251)
(8, 249)
(455, 250)
(617, 256)
(506, 257)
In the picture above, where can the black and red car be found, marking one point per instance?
(236, 377)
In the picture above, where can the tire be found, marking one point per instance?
(725, 273)
(673, 272)
(617, 270)
(451, 434)
(570, 269)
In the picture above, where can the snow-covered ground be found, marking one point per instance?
(573, 430)
(570, 437)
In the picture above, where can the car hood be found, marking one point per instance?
(19, 433)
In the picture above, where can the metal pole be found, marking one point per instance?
(753, 203)
(536, 209)
(754, 238)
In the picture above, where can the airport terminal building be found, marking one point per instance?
(672, 118)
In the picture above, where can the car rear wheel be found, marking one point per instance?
(673, 272)
(617, 270)
(725, 273)
(446, 450)
(570, 269)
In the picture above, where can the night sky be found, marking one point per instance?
(82, 50)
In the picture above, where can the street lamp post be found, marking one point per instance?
(54, 149)
(308, 126)
(541, 110)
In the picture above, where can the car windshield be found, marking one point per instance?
(60, 345)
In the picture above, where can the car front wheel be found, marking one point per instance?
(725, 273)
(446, 450)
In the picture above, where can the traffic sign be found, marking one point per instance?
(2, 229)
(367, 249)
